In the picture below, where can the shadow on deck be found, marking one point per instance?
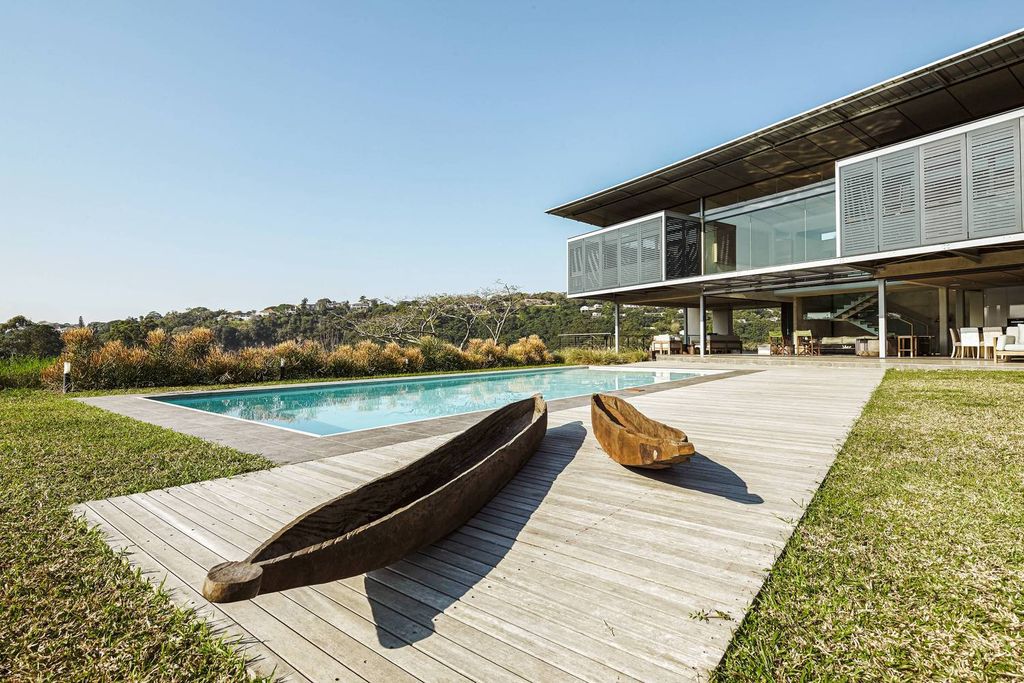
(407, 596)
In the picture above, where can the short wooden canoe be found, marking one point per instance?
(631, 438)
(384, 520)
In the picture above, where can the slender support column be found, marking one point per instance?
(883, 336)
(615, 312)
(703, 324)
(943, 330)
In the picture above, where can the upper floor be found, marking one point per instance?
(924, 163)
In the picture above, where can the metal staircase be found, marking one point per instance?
(862, 312)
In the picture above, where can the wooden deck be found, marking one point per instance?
(578, 570)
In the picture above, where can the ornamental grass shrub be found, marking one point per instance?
(530, 351)
(194, 358)
(301, 359)
(580, 356)
(486, 353)
(440, 356)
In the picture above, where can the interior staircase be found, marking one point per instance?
(862, 311)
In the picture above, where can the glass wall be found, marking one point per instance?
(778, 235)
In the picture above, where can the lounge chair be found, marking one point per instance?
(1010, 344)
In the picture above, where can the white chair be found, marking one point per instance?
(954, 338)
(989, 335)
(970, 340)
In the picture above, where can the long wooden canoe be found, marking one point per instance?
(384, 520)
(631, 438)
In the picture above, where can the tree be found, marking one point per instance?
(498, 303)
(22, 338)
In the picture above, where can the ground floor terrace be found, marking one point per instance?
(578, 570)
(922, 307)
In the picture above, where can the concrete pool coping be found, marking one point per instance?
(284, 446)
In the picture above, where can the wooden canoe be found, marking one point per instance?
(384, 520)
(633, 439)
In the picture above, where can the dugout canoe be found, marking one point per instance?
(631, 438)
(384, 520)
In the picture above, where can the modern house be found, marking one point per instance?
(894, 210)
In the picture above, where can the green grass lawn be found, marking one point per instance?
(69, 608)
(909, 563)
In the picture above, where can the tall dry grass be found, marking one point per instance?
(193, 357)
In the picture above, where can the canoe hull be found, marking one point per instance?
(634, 440)
(309, 551)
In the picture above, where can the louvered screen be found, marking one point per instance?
(576, 267)
(899, 212)
(944, 191)
(993, 185)
(610, 260)
(592, 264)
(629, 255)
(682, 247)
(650, 250)
(858, 208)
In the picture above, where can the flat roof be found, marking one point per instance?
(981, 81)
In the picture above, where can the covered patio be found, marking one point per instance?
(921, 305)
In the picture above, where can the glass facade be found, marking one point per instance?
(796, 227)
(783, 234)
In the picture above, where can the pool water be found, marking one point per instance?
(351, 406)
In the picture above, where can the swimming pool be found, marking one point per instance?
(327, 410)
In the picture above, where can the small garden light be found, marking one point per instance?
(67, 376)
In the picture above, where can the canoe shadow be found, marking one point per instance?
(407, 597)
(703, 474)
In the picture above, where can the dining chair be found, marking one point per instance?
(989, 335)
(970, 339)
(954, 338)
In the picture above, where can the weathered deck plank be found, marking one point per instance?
(578, 570)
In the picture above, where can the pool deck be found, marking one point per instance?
(284, 446)
(578, 570)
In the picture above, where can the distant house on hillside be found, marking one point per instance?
(537, 302)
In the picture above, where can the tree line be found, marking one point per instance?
(501, 313)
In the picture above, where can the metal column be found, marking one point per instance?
(615, 312)
(703, 324)
(883, 336)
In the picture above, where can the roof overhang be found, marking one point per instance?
(978, 82)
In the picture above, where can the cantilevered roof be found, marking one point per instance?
(984, 80)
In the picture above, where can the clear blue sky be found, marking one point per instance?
(157, 156)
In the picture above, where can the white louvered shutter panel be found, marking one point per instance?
(629, 255)
(944, 190)
(859, 208)
(610, 260)
(592, 264)
(993, 186)
(576, 267)
(650, 250)
(899, 203)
